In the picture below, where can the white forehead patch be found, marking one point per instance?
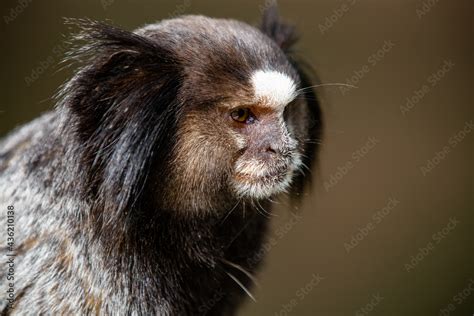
(274, 86)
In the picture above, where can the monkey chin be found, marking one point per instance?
(263, 185)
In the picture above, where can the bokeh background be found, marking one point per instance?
(388, 226)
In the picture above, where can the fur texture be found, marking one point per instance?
(133, 195)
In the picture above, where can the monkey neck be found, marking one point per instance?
(198, 239)
(171, 251)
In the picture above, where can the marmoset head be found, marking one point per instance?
(198, 112)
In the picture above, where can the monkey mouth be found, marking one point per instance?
(270, 176)
(264, 183)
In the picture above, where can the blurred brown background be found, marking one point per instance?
(388, 227)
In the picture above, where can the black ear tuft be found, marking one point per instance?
(121, 107)
(282, 33)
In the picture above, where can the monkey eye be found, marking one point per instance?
(242, 115)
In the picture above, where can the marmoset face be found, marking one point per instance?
(249, 147)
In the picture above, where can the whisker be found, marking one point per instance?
(305, 166)
(313, 141)
(241, 286)
(273, 201)
(241, 269)
(260, 212)
(267, 213)
(229, 212)
(326, 84)
(304, 156)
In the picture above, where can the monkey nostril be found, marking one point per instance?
(271, 150)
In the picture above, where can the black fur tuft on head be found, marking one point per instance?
(123, 109)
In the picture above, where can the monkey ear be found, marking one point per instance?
(282, 33)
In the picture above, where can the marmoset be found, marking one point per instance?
(144, 190)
